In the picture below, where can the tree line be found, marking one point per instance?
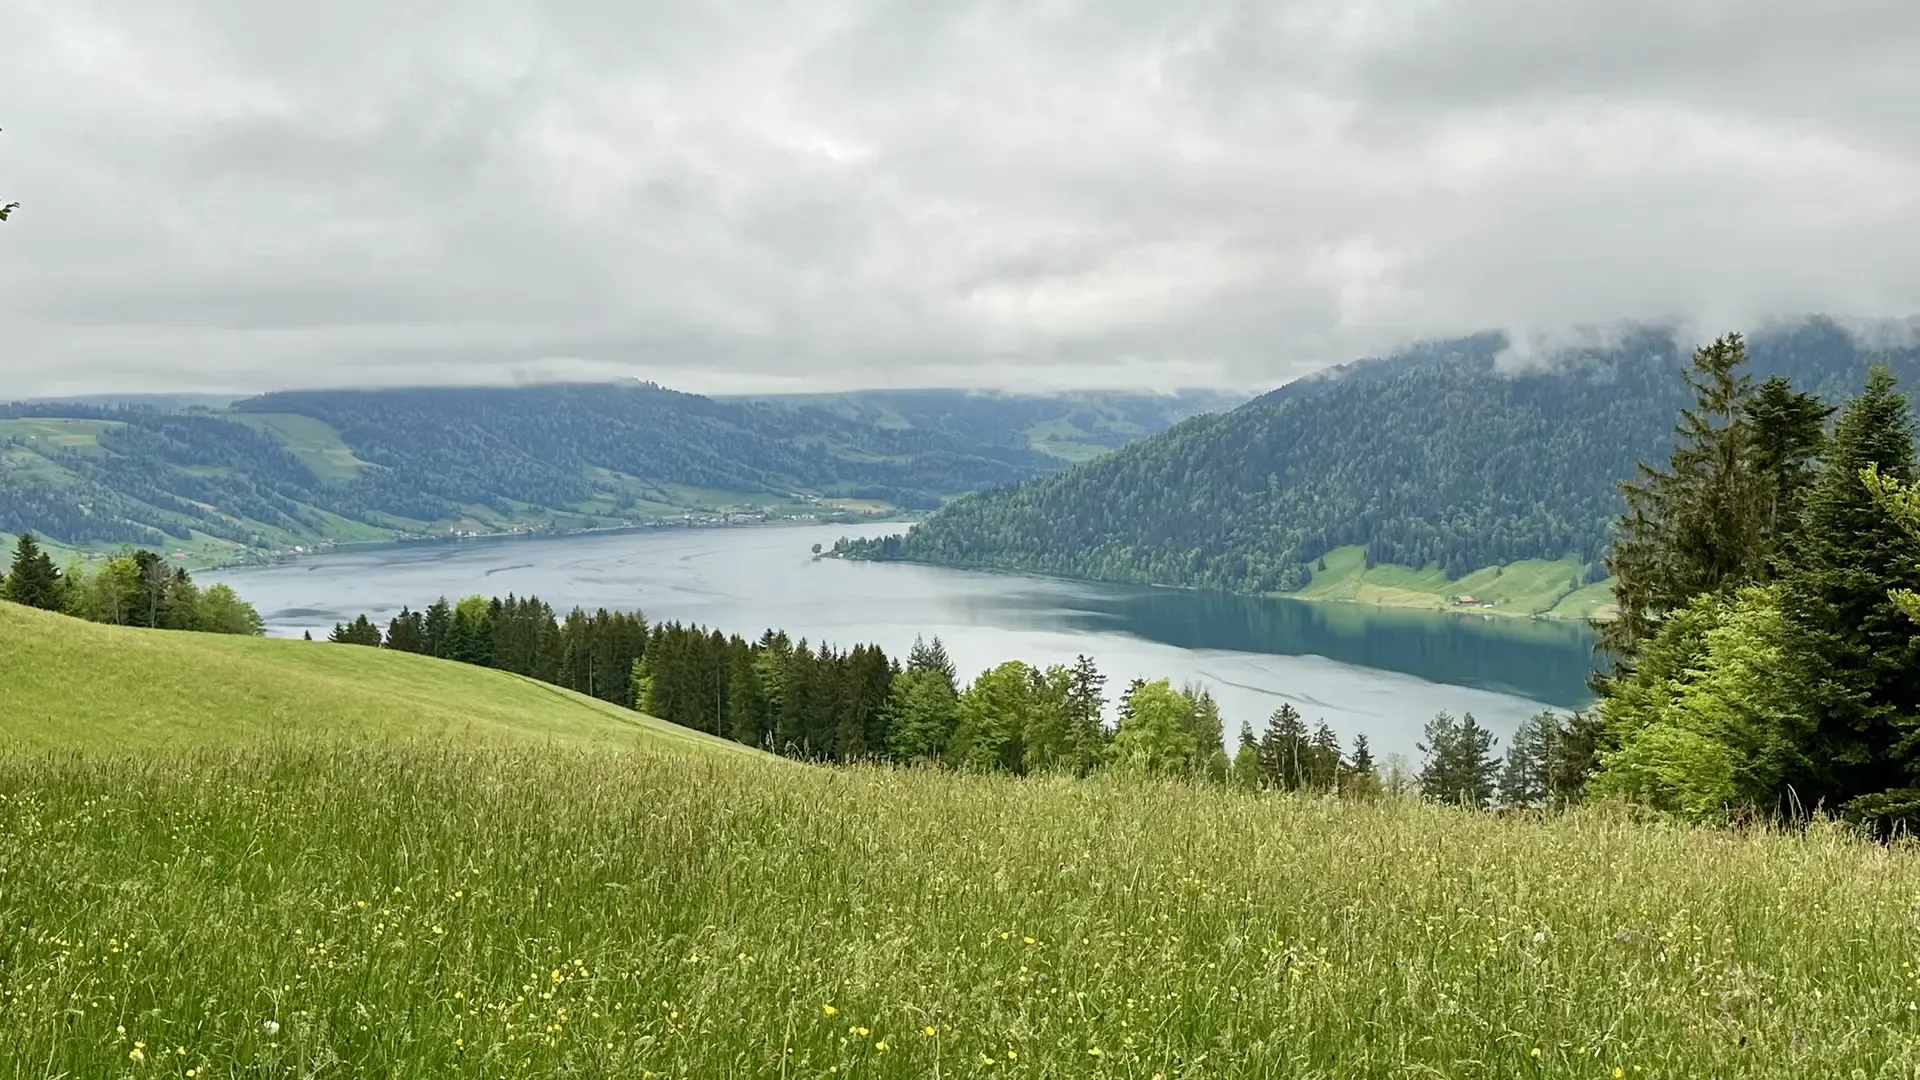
(1765, 656)
(134, 588)
(825, 704)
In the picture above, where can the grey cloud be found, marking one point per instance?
(228, 195)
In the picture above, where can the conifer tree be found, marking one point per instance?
(1696, 526)
(932, 656)
(1203, 723)
(439, 632)
(1085, 713)
(1789, 429)
(32, 580)
(1849, 651)
(746, 701)
(407, 632)
(1284, 750)
(1524, 776)
(1323, 760)
(922, 711)
(1246, 760)
(1460, 766)
(1362, 755)
(1363, 777)
(1048, 738)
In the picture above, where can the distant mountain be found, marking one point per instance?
(1074, 426)
(298, 467)
(1448, 455)
(157, 402)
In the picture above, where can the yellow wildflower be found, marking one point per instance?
(829, 1010)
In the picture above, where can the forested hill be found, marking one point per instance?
(1448, 455)
(290, 468)
(300, 467)
(545, 444)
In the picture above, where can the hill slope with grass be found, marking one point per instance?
(292, 469)
(67, 683)
(467, 910)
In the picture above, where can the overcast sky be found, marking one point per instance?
(235, 195)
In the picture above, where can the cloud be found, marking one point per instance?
(227, 195)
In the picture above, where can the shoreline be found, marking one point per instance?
(1426, 605)
(329, 547)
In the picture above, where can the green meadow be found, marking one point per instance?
(226, 857)
(1548, 588)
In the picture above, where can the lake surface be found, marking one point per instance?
(1363, 669)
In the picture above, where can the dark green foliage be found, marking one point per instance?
(1437, 457)
(1852, 653)
(1789, 429)
(541, 445)
(1286, 752)
(1698, 525)
(1083, 712)
(1459, 764)
(1362, 762)
(593, 451)
(33, 580)
(1737, 694)
(360, 631)
(407, 632)
(1525, 778)
(1324, 767)
(1574, 757)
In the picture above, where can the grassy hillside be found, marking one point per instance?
(295, 469)
(415, 911)
(65, 683)
(1544, 587)
(528, 883)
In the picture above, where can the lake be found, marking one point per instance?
(1375, 670)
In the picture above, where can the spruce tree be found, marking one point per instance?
(1284, 749)
(1362, 763)
(33, 581)
(1460, 766)
(1363, 777)
(1524, 777)
(1086, 711)
(1323, 759)
(1851, 654)
(1697, 525)
(1789, 429)
(1203, 723)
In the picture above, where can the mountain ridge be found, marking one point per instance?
(1439, 456)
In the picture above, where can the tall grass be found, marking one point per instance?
(410, 911)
